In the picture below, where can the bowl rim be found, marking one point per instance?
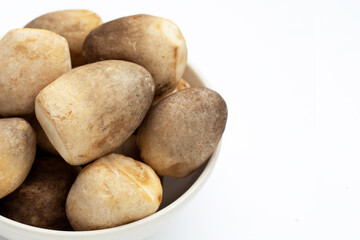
(182, 200)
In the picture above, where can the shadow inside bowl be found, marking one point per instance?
(173, 188)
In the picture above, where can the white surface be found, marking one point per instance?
(289, 71)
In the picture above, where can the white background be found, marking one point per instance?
(289, 71)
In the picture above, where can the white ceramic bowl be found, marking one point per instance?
(177, 192)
